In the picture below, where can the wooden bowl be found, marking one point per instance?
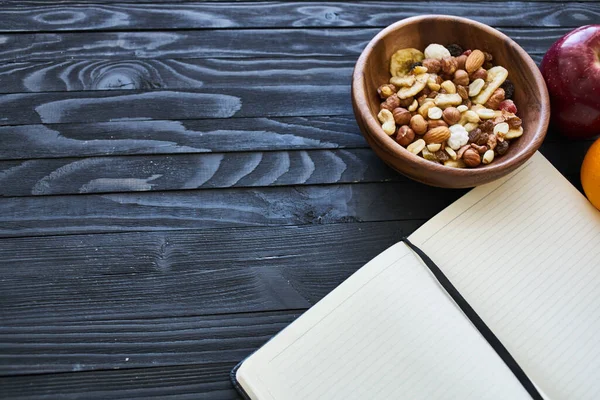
(372, 70)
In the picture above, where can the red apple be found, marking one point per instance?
(571, 69)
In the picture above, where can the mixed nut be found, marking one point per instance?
(449, 105)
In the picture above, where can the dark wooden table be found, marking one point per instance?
(181, 180)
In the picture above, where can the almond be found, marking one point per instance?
(474, 61)
(437, 135)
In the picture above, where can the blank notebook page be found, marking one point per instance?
(387, 332)
(525, 253)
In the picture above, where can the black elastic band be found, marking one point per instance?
(478, 322)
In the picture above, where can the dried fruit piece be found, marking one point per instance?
(446, 100)
(496, 77)
(514, 133)
(487, 126)
(501, 148)
(428, 155)
(455, 164)
(474, 61)
(436, 51)
(508, 105)
(454, 49)
(403, 81)
(509, 89)
(403, 59)
(420, 82)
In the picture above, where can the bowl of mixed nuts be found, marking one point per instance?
(448, 101)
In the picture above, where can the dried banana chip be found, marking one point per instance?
(514, 133)
(404, 81)
(403, 59)
(495, 77)
(420, 82)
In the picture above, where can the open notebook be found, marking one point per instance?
(524, 252)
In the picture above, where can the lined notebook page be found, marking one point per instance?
(525, 253)
(388, 332)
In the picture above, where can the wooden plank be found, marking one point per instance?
(187, 171)
(170, 137)
(169, 74)
(72, 75)
(136, 343)
(193, 15)
(211, 208)
(124, 105)
(83, 302)
(181, 382)
(237, 43)
(219, 170)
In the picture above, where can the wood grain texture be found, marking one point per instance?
(208, 381)
(172, 137)
(220, 170)
(163, 286)
(169, 74)
(224, 208)
(237, 43)
(71, 75)
(176, 172)
(123, 105)
(194, 15)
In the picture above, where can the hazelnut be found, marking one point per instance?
(433, 65)
(401, 116)
(451, 115)
(386, 90)
(495, 99)
(449, 65)
(461, 77)
(471, 158)
(391, 102)
(405, 135)
(462, 92)
(418, 124)
(479, 74)
(435, 123)
(461, 61)
(406, 102)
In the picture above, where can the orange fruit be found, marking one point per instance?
(590, 174)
